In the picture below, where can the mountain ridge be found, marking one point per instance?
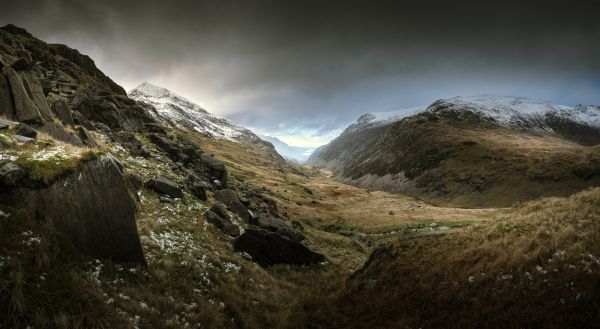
(433, 153)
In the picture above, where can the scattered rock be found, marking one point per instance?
(391, 213)
(25, 130)
(166, 199)
(231, 200)
(164, 144)
(269, 248)
(218, 217)
(63, 112)
(3, 125)
(164, 185)
(10, 173)
(307, 190)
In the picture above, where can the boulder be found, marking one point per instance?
(296, 225)
(134, 181)
(25, 109)
(199, 189)
(10, 173)
(23, 139)
(231, 200)
(92, 208)
(21, 64)
(269, 222)
(219, 218)
(269, 248)
(3, 125)
(86, 137)
(162, 184)
(357, 246)
(215, 168)
(25, 130)
(47, 86)
(6, 103)
(34, 90)
(290, 233)
(95, 108)
(62, 110)
(164, 144)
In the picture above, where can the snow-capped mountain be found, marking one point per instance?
(508, 111)
(520, 112)
(183, 113)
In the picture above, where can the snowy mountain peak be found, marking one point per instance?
(166, 105)
(509, 111)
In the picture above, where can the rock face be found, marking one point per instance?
(25, 109)
(6, 103)
(34, 91)
(269, 248)
(63, 112)
(164, 185)
(231, 200)
(91, 207)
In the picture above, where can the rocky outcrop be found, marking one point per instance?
(25, 109)
(91, 207)
(36, 94)
(269, 248)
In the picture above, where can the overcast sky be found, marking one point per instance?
(303, 70)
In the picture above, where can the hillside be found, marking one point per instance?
(486, 151)
(114, 216)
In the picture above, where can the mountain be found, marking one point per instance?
(181, 112)
(471, 151)
(293, 153)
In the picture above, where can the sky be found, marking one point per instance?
(303, 70)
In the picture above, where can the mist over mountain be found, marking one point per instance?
(293, 153)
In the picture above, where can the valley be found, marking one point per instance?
(144, 210)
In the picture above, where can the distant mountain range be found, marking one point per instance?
(293, 153)
(473, 151)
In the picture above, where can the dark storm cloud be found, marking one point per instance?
(315, 65)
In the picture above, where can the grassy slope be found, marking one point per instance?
(466, 161)
(537, 265)
(194, 277)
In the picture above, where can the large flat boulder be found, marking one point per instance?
(219, 218)
(92, 208)
(163, 185)
(269, 248)
(269, 222)
(25, 109)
